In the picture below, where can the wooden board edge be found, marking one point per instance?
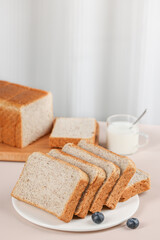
(18, 157)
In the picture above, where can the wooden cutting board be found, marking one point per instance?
(8, 153)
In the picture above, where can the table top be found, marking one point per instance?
(13, 226)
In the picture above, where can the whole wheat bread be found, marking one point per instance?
(112, 173)
(26, 114)
(96, 177)
(126, 165)
(140, 182)
(51, 184)
(72, 130)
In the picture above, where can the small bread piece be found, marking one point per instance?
(140, 182)
(112, 173)
(96, 177)
(51, 184)
(127, 170)
(72, 130)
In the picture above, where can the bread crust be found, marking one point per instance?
(88, 198)
(27, 96)
(103, 192)
(97, 133)
(70, 206)
(9, 118)
(59, 142)
(3, 83)
(12, 98)
(88, 195)
(67, 215)
(10, 90)
(107, 186)
(136, 188)
(120, 186)
(19, 95)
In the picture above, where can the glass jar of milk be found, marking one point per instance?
(122, 135)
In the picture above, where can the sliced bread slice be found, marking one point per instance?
(112, 173)
(72, 130)
(126, 165)
(140, 182)
(96, 177)
(51, 184)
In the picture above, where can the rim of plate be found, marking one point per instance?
(97, 227)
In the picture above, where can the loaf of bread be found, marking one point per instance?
(126, 165)
(51, 184)
(112, 173)
(96, 177)
(72, 130)
(26, 114)
(140, 182)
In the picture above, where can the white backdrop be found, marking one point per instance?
(98, 57)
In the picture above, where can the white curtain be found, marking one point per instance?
(98, 57)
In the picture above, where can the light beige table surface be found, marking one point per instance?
(14, 227)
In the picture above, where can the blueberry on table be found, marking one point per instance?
(97, 217)
(132, 223)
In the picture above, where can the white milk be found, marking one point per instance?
(121, 139)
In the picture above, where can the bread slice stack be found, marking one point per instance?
(72, 130)
(112, 173)
(26, 114)
(96, 178)
(127, 170)
(78, 179)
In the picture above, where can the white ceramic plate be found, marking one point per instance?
(37, 216)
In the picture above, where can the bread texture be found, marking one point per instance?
(51, 184)
(96, 177)
(111, 170)
(127, 170)
(72, 130)
(140, 182)
(26, 114)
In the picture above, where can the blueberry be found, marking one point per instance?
(132, 223)
(97, 217)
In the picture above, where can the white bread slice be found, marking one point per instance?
(140, 182)
(26, 114)
(126, 165)
(72, 130)
(51, 184)
(112, 173)
(96, 177)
